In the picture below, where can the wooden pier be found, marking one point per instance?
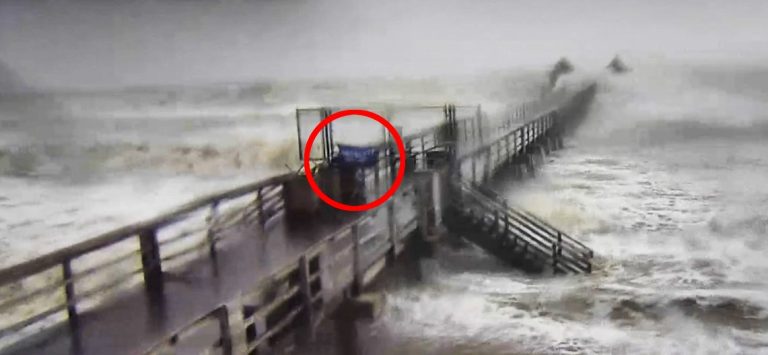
(247, 270)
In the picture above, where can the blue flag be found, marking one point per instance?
(353, 156)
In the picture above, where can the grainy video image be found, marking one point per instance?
(383, 177)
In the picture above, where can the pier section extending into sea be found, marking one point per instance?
(247, 270)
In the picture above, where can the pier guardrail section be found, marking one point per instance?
(521, 234)
(60, 285)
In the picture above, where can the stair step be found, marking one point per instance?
(527, 242)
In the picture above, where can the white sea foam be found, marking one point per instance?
(676, 220)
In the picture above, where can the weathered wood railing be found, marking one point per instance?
(61, 284)
(524, 216)
(304, 292)
(564, 253)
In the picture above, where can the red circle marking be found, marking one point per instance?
(400, 172)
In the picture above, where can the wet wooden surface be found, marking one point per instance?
(135, 322)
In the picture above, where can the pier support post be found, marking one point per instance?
(547, 145)
(392, 231)
(356, 272)
(151, 263)
(306, 331)
(530, 164)
(345, 327)
(518, 165)
(542, 153)
(366, 306)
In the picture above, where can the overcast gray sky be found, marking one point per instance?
(100, 43)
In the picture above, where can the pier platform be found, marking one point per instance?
(238, 272)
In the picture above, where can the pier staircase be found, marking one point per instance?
(513, 235)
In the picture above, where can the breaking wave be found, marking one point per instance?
(661, 105)
(59, 160)
(665, 180)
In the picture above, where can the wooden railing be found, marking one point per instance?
(299, 295)
(61, 284)
(565, 253)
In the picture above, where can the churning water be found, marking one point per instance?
(666, 182)
(73, 165)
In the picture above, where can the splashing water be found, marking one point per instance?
(665, 182)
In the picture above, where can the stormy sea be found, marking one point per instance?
(664, 180)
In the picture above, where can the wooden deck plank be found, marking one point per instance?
(134, 323)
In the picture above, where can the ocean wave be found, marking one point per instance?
(753, 224)
(664, 131)
(655, 106)
(732, 312)
(52, 160)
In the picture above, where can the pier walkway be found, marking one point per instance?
(241, 270)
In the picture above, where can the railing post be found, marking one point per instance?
(376, 182)
(423, 154)
(554, 258)
(479, 115)
(260, 205)
(356, 275)
(392, 227)
(393, 159)
(473, 157)
(524, 138)
(506, 145)
(454, 126)
(539, 128)
(474, 131)
(487, 165)
(514, 142)
(225, 333)
(69, 292)
(209, 235)
(500, 149)
(151, 262)
(529, 139)
(308, 329)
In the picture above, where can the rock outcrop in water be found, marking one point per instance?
(617, 66)
(562, 67)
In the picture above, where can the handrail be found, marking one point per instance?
(485, 219)
(531, 232)
(513, 212)
(52, 259)
(474, 151)
(544, 248)
(530, 217)
(563, 263)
